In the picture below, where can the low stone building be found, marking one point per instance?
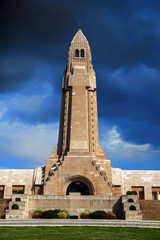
(145, 184)
(78, 164)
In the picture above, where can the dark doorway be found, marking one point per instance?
(78, 187)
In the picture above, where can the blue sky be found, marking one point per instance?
(124, 36)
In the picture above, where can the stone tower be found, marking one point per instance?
(78, 163)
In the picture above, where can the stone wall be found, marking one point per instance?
(19, 177)
(129, 179)
(74, 204)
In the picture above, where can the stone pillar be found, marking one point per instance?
(148, 193)
(8, 191)
(138, 194)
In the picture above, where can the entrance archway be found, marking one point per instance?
(79, 184)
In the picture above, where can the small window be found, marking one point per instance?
(76, 53)
(16, 188)
(82, 53)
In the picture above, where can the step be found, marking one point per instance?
(150, 209)
(79, 222)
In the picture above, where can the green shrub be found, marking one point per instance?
(85, 215)
(57, 213)
(132, 207)
(97, 215)
(129, 193)
(73, 217)
(15, 206)
(130, 200)
(18, 199)
(102, 215)
(20, 192)
(50, 214)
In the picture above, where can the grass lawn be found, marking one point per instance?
(78, 233)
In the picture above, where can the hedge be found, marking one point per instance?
(15, 206)
(132, 207)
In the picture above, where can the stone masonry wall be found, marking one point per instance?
(19, 177)
(140, 178)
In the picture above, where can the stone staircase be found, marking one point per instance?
(150, 209)
(78, 223)
(4, 204)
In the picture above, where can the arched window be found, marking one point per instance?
(76, 53)
(82, 53)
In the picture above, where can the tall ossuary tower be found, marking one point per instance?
(78, 163)
(79, 123)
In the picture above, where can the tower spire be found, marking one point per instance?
(79, 123)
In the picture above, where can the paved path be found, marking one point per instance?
(78, 222)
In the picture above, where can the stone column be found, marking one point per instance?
(8, 191)
(148, 193)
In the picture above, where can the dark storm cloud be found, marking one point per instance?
(125, 40)
(23, 21)
(17, 72)
(14, 70)
(31, 31)
(129, 98)
(120, 33)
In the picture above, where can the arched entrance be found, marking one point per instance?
(79, 184)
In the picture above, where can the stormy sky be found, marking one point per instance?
(124, 36)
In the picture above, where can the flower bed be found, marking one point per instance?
(50, 214)
(98, 215)
(62, 214)
(37, 214)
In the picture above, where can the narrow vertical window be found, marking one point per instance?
(76, 53)
(82, 53)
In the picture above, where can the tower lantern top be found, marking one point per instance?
(79, 51)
